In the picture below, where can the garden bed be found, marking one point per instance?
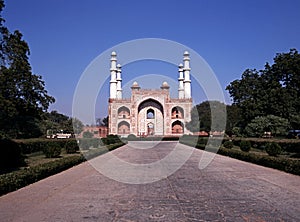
(39, 167)
(258, 156)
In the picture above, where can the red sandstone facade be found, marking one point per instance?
(149, 112)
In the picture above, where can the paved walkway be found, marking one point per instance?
(227, 190)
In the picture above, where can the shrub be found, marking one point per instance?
(17, 179)
(30, 145)
(202, 140)
(170, 138)
(51, 150)
(71, 146)
(36, 145)
(87, 134)
(111, 139)
(228, 144)
(273, 149)
(103, 141)
(214, 142)
(20, 178)
(285, 164)
(291, 147)
(94, 142)
(84, 144)
(245, 145)
(11, 155)
(189, 140)
(131, 137)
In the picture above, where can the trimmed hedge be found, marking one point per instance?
(104, 149)
(36, 145)
(273, 149)
(287, 145)
(15, 180)
(132, 137)
(52, 150)
(228, 144)
(245, 145)
(285, 164)
(28, 146)
(71, 146)
(87, 143)
(11, 155)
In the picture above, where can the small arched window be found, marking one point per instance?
(177, 113)
(150, 114)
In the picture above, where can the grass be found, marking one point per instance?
(38, 158)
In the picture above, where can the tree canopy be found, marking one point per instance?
(276, 125)
(23, 97)
(272, 91)
(55, 121)
(201, 117)
(102, 121)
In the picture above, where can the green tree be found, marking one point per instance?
(23, 97)
(201, 117)
(102, 122)
(56, 121)
(272, 91)
(77, 126)
(3, 34)
(105, 121)
(285, 72)
(87, 134)
(247, 95)
(233, 119)
(295, 121)
(276, 125)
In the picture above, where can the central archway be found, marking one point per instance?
(151, 103)
(150, 118)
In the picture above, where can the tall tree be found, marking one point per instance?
(3, 33)
(202, 114)
(55, 122)
(272, 91)
(234, 118)
(247, 94)
(102, 122)
(285, 72)
(23, 97)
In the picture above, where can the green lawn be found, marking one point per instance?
(38, 158)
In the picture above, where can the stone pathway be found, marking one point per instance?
(226, 190)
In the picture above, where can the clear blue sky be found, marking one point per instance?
(66, 35)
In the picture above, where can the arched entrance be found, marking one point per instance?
(177, 127)
(150, 118)
(123, 128)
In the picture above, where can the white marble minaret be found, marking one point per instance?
(186, 70)
(180, 82)
(113, 76)
(119, 82)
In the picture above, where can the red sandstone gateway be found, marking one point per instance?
(149, 112)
